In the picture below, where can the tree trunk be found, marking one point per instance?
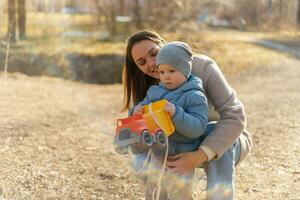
(283, 5)
(99, 11)
(11, 30)
(112, 20)
(108, 9)
(137, 14)
(298, 13)
(53, 6)
(270, 5)
(22, 18)
(121, 4)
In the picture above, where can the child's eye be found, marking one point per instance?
(172, 71)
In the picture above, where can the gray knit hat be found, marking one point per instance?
(178, 55)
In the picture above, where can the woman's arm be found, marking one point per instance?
(232, 116)
(228, 128)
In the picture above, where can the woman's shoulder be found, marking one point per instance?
(201, 62)
(202, 59)
(204, 67)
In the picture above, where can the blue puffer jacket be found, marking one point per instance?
(190, 118)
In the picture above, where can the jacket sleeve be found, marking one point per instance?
(192, 121)
(232, 120)
(150, 96)
(145, 101)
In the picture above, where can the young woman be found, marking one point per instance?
(226, 142)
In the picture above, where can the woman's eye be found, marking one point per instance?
(154, 53)
(141, 63)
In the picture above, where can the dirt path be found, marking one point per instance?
(56, 135)
(272, 98)
(270, 44)
(278, 47)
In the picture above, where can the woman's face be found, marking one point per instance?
(144, 55)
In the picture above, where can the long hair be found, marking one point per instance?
(135, 82)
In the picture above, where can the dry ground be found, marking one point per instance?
(55, 138)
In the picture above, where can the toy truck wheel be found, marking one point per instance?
(161, 139)
(121, 150)
(146, 138)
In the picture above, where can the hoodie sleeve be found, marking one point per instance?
(153, 94)
(232, 120)
(192, 121)
(145, 101)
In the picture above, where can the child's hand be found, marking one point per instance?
(138, 110)
(170, 108)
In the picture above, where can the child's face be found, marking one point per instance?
(170, 77)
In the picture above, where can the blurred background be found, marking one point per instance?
(77, 39)
(60, 75)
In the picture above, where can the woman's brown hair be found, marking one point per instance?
(135, 82)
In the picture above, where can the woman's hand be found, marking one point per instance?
(186, 162)
(170, 108)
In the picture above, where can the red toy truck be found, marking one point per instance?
(133, 132)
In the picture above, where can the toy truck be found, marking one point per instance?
(141, 132)
(133, 132)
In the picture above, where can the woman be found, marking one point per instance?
(226, 142)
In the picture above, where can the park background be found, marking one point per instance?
(61, 92)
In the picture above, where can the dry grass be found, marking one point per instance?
(56, 138)
(288, 38)
(45, 35)
(56, 135)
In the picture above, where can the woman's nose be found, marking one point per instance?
(152, 64)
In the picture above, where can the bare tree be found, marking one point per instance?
(298, 13)
(108, 9)
(22, 18)
(137, 14)
(281, 8)
(122, 5)
(11, 30)
(169, 15)
(250, 11)
(270, 5)
(159, 12)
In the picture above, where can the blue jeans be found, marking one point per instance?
(220, 173)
